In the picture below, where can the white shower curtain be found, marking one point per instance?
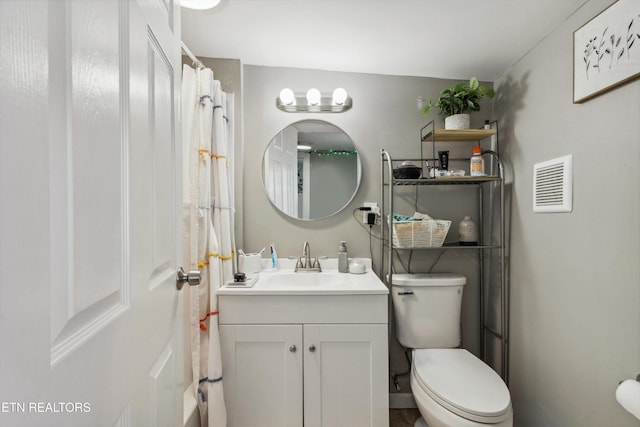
(208, 222)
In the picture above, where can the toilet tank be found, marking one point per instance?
(427, 309)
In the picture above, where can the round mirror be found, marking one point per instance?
(311, 170)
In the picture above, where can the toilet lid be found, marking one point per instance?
(428, 279)
(462, 383)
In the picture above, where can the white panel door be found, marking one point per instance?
(281, 171)
(345, 376)
(262, 370)
(90, 237)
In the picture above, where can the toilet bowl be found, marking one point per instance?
(451, 386)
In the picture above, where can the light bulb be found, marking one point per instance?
(313, 96)
(287, 96)
(339, 96)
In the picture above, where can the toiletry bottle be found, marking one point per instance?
(467, 232)
(476, 167)
(343, 263)
(274, 257)
(487, 124)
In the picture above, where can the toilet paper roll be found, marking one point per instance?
(628, 395)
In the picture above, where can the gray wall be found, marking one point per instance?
(575, 323)
(575, 313)
(337, 173)
(384, 115)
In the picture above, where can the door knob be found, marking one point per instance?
(293, 348)
(312, 348)
(192, 278)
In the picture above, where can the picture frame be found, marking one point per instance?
(606, 51)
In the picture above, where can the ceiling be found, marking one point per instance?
(322, 135)
(455, 39)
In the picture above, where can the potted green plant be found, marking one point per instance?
(455, 103)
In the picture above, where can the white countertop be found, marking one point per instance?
(284, 281)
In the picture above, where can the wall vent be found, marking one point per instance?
(552, 185)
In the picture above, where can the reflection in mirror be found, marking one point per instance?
(311, 170)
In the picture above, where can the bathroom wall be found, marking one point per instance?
(575, 317)
(385, 115)
(335, 172)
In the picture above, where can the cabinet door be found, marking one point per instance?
(345, 375)
(262, 374)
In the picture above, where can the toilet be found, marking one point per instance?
(451, 386)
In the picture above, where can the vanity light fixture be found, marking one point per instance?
(304, 148)
(314, 101)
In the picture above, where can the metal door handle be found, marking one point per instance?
(192, 278)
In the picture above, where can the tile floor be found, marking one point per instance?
(403, 417)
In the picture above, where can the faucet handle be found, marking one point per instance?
(316, 261)
(298, 262)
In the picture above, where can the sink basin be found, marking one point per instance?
(328, 282)
(301, 280)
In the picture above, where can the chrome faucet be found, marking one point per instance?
(304, 263)
(306, 253)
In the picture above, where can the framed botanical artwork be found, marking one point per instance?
(606, 50)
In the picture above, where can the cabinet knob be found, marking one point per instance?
(312, 348)
(293, 348)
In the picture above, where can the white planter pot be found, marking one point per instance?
(457, 121)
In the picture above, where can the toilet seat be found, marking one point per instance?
(463, 384)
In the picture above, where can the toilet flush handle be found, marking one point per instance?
(407, 292)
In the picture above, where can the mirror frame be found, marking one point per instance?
(358, 171)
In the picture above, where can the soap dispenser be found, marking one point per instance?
(343, 260)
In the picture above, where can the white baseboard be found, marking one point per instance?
(401, 401)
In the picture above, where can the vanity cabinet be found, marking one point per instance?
(294, 360)
(345, 377)
(492, 245)
(262, 374)
(280, 375)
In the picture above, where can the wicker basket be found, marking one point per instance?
(420, 234)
